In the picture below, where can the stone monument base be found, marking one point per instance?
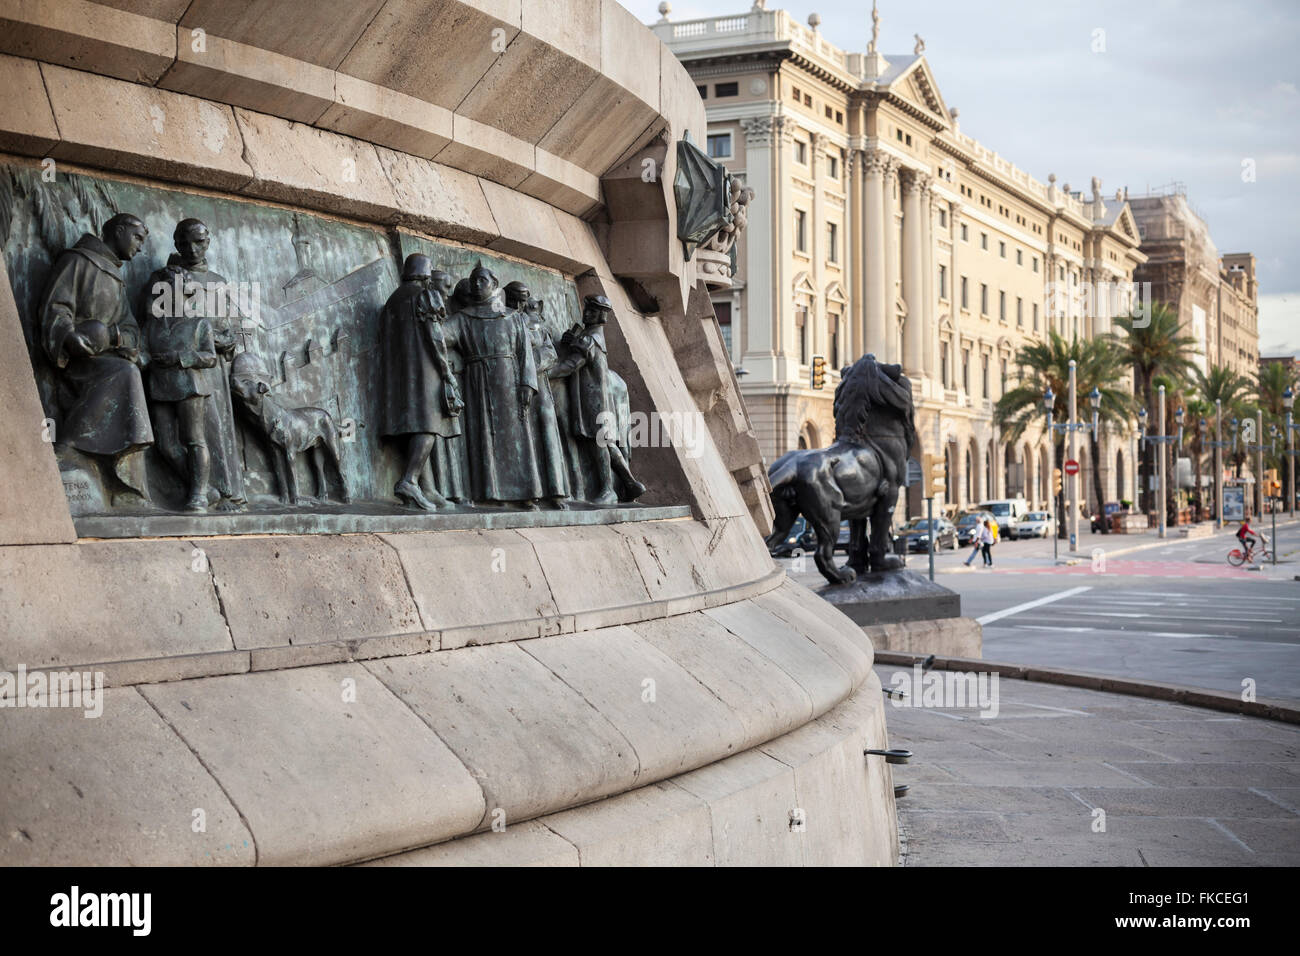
(883, 597)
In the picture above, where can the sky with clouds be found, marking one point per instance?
(1183, 91)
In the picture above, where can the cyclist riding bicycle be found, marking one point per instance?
(1247, 536)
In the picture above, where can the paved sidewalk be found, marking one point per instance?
(1179, 786)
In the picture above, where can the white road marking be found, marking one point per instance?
(1007, 612)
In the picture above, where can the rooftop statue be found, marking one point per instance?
(858, 477)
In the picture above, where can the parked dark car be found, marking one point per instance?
(801, 540)
(966, 524)
(917, 534)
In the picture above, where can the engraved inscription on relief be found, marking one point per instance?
(203, 355)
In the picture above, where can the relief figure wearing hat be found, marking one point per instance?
(88, 332)
(420, 397)
(592, 415)
(500, 386)
(187, 286)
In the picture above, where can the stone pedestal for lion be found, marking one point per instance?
(633, 691)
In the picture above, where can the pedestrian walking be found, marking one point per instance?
(986, 544)
(977, 542)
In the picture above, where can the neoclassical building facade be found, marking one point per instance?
(878, 226)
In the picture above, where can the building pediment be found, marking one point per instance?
(916, 87)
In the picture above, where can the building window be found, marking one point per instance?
(726, 89)
(1002, 306)
(801, 330)
(984, 373)
(807, 99)
(832, 242)
(1020, 312)
(703, 91)
(839, 117)
(965, 233)
(1060, 272)
(833, 167)
(943, 219)
(830, 113)
(1020, 257)
(984, 241)
(984, 299)
(723, 311)
(1035, 263)
(1002, 249)
(965, 370)
(719, 145)
(1004, 377)
(899, 134)
(943, 282)
(965, 297)
(801, 153)
(943, 364)
(800, 230)
(833, 349)
(1035, 316)
(794, 91)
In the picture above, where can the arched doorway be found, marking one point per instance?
(808, 437)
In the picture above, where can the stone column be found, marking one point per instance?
(817, 332)
(913, 278)
(930, 327)
(853, 256)
(954, 296)
(874, 294)
(761, 250)
(891, 352)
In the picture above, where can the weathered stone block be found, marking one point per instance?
(310, 588)
(611, 578)
(26, 120)
(386, 117)
(153, 133)
(671, 720)
(519, 844)
(117, 790)
(249, 76)
(295, 163)
(105, 601)
(89, 36)
(531, 741)
(34, 509)
(324, 771)
(476, 580)
(659, 825)
(438, 199)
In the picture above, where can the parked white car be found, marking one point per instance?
(1036, 524)
(1009, 512)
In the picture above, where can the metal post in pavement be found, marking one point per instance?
(929, 517)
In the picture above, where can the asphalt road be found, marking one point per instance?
(1175, 612)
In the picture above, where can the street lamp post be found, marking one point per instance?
(1070, 428)
(1288, 402)
(1160, 441)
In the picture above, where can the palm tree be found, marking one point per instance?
(1271, 381)
(1155, 346)
(1100, 363)
(1232, 391)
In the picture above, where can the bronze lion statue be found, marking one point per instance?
(858, 477)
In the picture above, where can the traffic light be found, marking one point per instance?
(936, 470)
(939, 476)
(818, 371)
(1056, 481)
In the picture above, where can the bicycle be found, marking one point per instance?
(1237, 557)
